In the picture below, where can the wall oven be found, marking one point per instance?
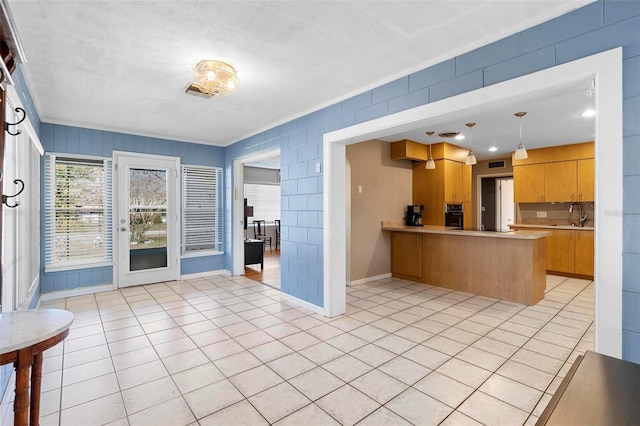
(453, 215)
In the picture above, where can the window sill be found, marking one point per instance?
(201, 254)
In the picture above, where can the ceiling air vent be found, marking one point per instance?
(496, 164)
(193, 90)
(448, 134)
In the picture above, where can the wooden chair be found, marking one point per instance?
(259, 233)
(277, 221)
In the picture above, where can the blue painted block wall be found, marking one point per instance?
(595, 28)
(76, 140)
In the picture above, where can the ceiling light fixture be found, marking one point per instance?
(521, 152)
(430, 165)
(493, 149)
(215, 78)
(471, 158)
(590, 112)
(459, 137)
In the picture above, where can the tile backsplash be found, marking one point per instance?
(556, 213)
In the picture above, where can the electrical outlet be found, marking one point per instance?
(541, 214)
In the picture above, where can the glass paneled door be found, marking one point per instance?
(147, 219)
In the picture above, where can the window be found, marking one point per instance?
(201, 209)
(265, 200)
(77, 212)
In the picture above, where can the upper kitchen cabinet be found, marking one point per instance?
(586, 179)
(528, 183)
(556, 174)
(449, 182)
(409, 150)
(452, 181)
(560, 181)
(467, 188)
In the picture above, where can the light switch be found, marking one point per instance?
(318, 167)
(359, 189)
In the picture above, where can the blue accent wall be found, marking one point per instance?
(592, 29)
(76, 140)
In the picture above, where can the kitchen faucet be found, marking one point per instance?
(582, 219)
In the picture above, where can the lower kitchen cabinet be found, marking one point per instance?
(561, 251)
(584, 253)
(569, 252)
(406, 254)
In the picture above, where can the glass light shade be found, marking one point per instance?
(521, 153)
(215, 78)
(431, 165)
(471, 159)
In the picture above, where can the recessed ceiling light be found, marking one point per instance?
(459, 137)
(588, 113)
(493, 149)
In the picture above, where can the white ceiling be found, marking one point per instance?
(124, 65)
(553, 118)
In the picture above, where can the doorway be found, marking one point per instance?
(147, 219)
(265, 170)
(496, 204)
(606, 69)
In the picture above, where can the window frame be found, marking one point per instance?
(50, 160)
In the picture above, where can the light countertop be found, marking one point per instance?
(551, 227)
(397, 226)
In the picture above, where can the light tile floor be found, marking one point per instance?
(231, 351)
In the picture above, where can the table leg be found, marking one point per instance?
(21, 403)
(36, 380)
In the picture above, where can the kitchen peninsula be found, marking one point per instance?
(509, 266)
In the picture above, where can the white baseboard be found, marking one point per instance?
(369, 279)
(303, 303)
(205, 274)
(80, 291)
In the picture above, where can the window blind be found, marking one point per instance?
(78, 209)
(201, 209)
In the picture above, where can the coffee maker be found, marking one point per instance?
(414, 215)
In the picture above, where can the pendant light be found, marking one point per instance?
(430, 163)
(471, 158)
(521, 152)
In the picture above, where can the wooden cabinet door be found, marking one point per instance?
(467, 184)
(428, 190)
(406, 254)
(452, 181)
(528, 183)
(560, 251)
(560, 181)
(586, 179)
(467, 220)
(584, 253)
